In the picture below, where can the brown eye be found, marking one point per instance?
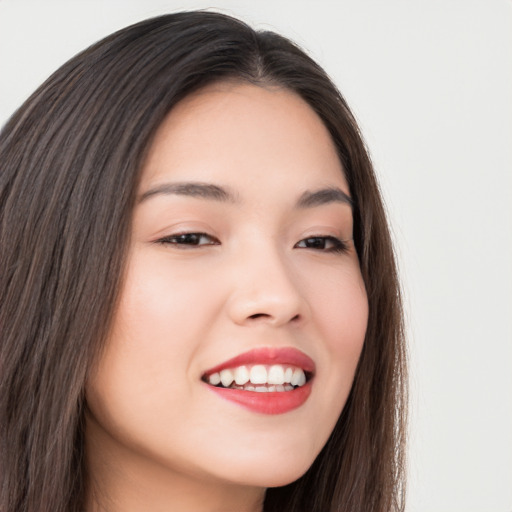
(322, 243)
(189, 239)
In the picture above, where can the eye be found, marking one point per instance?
(323, 243)
(184, 240)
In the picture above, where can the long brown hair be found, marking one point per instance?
(70, 160)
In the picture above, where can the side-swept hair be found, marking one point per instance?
(70, 160)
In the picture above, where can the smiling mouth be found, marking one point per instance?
(266, 380)
(259, 378)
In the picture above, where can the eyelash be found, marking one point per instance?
(337, 245)
(185, 239)
(193, 239)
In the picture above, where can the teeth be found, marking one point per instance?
(214, 379)
(226, 377)
(276, 374)
(259, 378)
(241, 375)
(258, 374)
(298, 378)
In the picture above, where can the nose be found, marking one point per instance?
(265, 290)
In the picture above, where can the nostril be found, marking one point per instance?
(265, 315)
(258, 315)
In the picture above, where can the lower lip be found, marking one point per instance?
(270, 402)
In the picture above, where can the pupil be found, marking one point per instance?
(189, 239)
(317, 243)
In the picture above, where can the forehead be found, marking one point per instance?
(239, 133)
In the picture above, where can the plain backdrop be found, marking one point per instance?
(431, 85)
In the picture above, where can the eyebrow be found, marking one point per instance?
(196, 189)
(324, 196)
(308, 199)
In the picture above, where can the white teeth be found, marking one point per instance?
(258, 374)
(298, 377)
(276, 374)
(214, 379)
(241, 375)
(226, 377)
(253, 378)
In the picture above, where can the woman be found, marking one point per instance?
(199, 308)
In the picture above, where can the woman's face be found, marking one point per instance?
(241, 248)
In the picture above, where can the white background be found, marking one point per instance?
(431, 84)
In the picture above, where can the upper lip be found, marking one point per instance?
(268, 356)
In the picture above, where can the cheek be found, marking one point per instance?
(158, 313)
(157, 302)
(340, 307)
(147, 357)
(345, 318)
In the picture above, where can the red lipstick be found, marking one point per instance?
(266, 402)
(270, 355)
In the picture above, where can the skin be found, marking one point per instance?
(156, 437)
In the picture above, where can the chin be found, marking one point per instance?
(270, 473)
